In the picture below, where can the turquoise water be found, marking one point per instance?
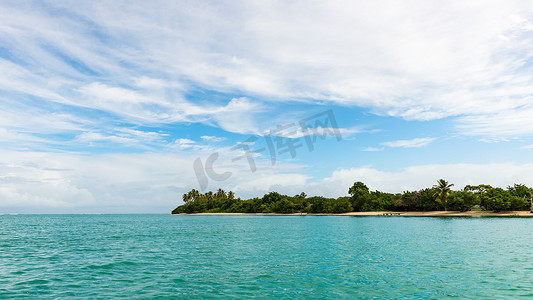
(162, 256)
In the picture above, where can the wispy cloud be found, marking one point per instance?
(372, 149)
(123, 136)
(499, 125)
(212, 138)
(414, 143)
(420, 62)
(95, 137)
(295, 132)
(184, 143)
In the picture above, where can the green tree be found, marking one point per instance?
(187, 198)
(283, 206)
(359, 195)
(408, 201)
(220, 194)
(520, 190)
(463, 200)
(426, 200)
(319, 204)
(379, 201)
(341, 205)
(478, 190)
(443, 189)
(523, 192)
(496, 199)
(301, 203)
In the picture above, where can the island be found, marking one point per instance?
(439, 200)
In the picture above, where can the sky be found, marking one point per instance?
(123, 106)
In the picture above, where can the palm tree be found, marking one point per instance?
(187, 197)
(191, 196)
(220, 194)
(195, 194)
(443, 188)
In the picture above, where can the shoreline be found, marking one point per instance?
(521, 214)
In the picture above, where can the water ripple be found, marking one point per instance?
(160, 256)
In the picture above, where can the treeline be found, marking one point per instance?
(438, 197)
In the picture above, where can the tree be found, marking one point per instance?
(496, 199)
(479, 191)
(300, 202)
(341, 205)
(379, 201)
(283, 206)
(524, 193)
(462, 200)
(359, 195)
(426, 200)
(520, 190)
(443, 189)
(220, 194)
(408, 200)
(319, 204)
(195, 194)
(187, 197)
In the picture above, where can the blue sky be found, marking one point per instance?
(105, 106)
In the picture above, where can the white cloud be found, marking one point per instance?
(124, 136)
(238, 116)
(372, 149)
(26, 118)
(150, 182)
(130, 104)
(184, 143)
(148, 136)
(294, 132)
(90, 137)
(419, 60)
(414, 143)
(48, 182)
(505, 123)
(210, 138)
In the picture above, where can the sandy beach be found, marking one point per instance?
(397, 213)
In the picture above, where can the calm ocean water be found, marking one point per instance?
(161, 256)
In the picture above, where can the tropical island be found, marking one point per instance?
(440, 199)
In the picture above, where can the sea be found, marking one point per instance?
(266, 257)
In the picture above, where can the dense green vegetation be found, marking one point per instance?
(438, 197)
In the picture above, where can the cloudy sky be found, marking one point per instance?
(122, 106)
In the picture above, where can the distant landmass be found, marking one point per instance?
(439, 197)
